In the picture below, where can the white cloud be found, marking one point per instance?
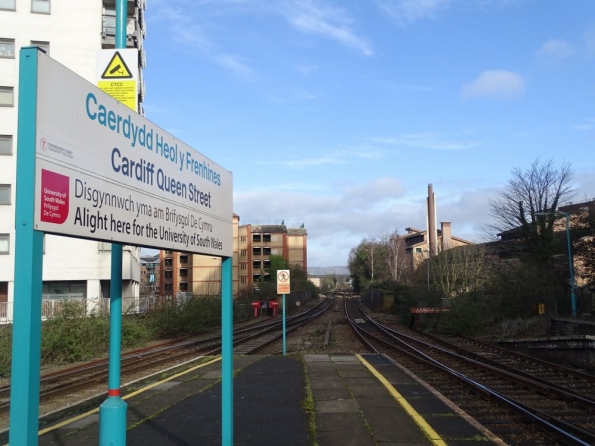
(429, 141)
(499, 84)
(310, 17)
(376, 191)
(587, 125)
(235, 64)
(589, 38)
(306, 70)
(340, 217)
(554, 51)
(336, 157)
(409, 11)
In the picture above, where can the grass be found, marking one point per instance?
(308, 406)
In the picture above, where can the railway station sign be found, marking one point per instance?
(117, 74)
(104, 172)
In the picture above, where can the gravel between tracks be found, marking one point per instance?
(309, 339)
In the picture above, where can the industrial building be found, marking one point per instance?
(71, 32)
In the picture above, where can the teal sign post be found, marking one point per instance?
(26, 329)
(112, 413)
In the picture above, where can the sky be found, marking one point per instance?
(337, 114)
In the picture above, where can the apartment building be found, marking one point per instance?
(149, 275)
(252, 250)
(71, 32)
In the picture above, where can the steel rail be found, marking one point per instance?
(569, 434)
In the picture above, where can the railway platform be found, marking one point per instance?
(341, 400)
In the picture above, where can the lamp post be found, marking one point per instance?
(570, 262)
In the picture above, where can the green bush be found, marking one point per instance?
(5, 350)
(467, 316)
(173, 318)
(71, 335)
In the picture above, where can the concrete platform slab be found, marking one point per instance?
(337, 406)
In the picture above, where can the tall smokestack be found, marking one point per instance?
(432, 234)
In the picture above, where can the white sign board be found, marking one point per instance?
(106, 173)
(283, 282)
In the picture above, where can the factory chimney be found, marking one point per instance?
(431, 215)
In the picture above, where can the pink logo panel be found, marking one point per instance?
(54, 197)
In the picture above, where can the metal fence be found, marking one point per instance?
(53, 307)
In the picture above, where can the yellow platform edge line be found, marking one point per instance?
(419, 420)
(130, 395)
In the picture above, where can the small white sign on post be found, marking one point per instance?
(283, 281)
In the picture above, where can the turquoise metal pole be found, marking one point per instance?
(284, 333)
(226, 352)
(112, 413)
(26, 329)
(570, 265)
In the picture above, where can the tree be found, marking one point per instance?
(396, 259)
(365, 260)
(583, 237)
(459, 270)
(540, 188)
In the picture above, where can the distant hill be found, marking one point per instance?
(328, 270)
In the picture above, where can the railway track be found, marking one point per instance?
(523, 401)
(248, 339)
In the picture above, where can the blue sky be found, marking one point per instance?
(338, 114)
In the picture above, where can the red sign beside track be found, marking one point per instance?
(418, 310)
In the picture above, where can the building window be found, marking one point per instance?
(184, 258)
(243, 239)
(168, 274)
(169, 262)
(5, 144)
(256, 238)
(266, 238)
(6, 97)
(243, 279)
(45, 46)
(4, 193)
(418, 250)
(256, 264)
(41, 6)
(7, 4)
(76, 289)
(167, 286)
(266, 250)
(183, 286)
(168, 252)
(184, 272)
(243, 253)
(4, 244)
(256, 251)
(7, 48)
(243, 266)
(266, 264)
(105, 247)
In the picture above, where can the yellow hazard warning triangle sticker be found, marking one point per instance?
(116, 68)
